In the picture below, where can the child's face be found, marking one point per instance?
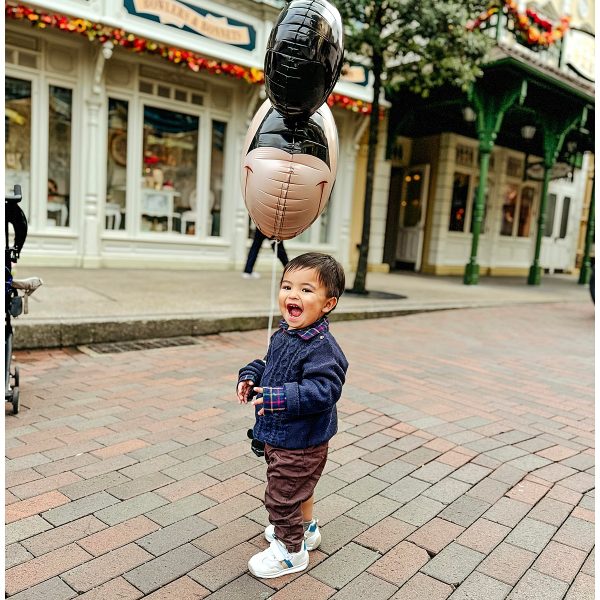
(303, 298)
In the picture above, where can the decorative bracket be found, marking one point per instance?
(104, 54)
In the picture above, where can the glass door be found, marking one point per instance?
(170, 163)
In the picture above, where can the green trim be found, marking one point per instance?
(586, 263)
(490, 108)
(554, 131)
(554, 82)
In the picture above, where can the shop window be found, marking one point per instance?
(464, 155)
(59, 156)
(550, 210)
(564, 221)
(116, 169)
(17, 131)
(509, 207)
(525, 211)
(514, 167)
(170, 199)
(217, 166)
(458, 206)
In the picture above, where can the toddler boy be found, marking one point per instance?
(298, 385)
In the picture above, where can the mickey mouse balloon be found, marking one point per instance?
(288, 172)
(304, 57)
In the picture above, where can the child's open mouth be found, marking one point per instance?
(294, 310)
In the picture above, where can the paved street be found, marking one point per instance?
(463, 467)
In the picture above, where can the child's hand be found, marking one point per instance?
(256, 401)
(243, 390)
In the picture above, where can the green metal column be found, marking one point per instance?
(472, 269)
(490, 107)
(586, 264)
(535, 271)
(554, 130)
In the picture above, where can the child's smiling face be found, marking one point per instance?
(303, 298)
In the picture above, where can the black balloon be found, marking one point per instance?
(304, 57)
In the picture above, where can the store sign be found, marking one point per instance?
(580, 49)
(194, 19)
(356, 74)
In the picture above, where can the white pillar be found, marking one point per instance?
(246, 102)
(91, 208)
(94, 156)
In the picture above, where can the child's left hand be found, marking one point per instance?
(257, 401)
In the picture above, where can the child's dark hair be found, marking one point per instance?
(329, 271)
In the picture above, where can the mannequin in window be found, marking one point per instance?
(259, 237)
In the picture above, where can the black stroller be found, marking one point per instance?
(14, 304)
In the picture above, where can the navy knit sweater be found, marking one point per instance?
(302, 377)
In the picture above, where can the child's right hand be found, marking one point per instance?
(244, 389)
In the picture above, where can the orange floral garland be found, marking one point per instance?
(535, 31)
(95, 32)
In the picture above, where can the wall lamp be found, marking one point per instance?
(469, 114)
(528, 131)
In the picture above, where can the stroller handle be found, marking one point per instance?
(16, 196)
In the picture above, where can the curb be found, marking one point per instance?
(30, 335)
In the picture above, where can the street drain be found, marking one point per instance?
(152, 344)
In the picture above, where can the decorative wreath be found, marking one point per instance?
(533, 30)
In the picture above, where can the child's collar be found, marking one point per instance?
(318, 327)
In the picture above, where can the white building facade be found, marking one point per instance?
(129, 160)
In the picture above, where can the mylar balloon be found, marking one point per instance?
(288, 170)
(304, 57)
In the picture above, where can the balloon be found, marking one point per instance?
(304, 57)
(288, 170)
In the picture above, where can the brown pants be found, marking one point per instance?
(291, 479)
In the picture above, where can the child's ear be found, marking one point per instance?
(329, 305)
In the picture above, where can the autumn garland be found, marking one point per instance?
(536, 32)
(95, 32)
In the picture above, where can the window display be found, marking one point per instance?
(217, 165)
(116, 168)
(458, 206)
(525, 211)
(509, 207)
(17, 131)
(59, 156)
(170, 157)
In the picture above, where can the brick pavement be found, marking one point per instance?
(463, 469)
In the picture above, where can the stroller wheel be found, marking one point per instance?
(16, 377)
(15, 400)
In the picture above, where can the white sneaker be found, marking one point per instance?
(276, 561)
(312, 536)
(251, 275)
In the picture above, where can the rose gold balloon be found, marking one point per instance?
(288, 170)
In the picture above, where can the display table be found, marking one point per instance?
(159, 204)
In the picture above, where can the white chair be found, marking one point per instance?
(189, 216)
(61, 209)
(112, 211)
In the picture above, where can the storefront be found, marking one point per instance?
(127, 159)
(531, 118)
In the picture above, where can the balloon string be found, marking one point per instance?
(272, 311)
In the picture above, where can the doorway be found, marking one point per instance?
(557, 241)
(412, 211)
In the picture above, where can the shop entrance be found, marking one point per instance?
(558, 233)
(411, 218)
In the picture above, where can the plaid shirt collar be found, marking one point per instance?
(318, 327)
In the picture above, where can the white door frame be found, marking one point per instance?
(420, 227)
